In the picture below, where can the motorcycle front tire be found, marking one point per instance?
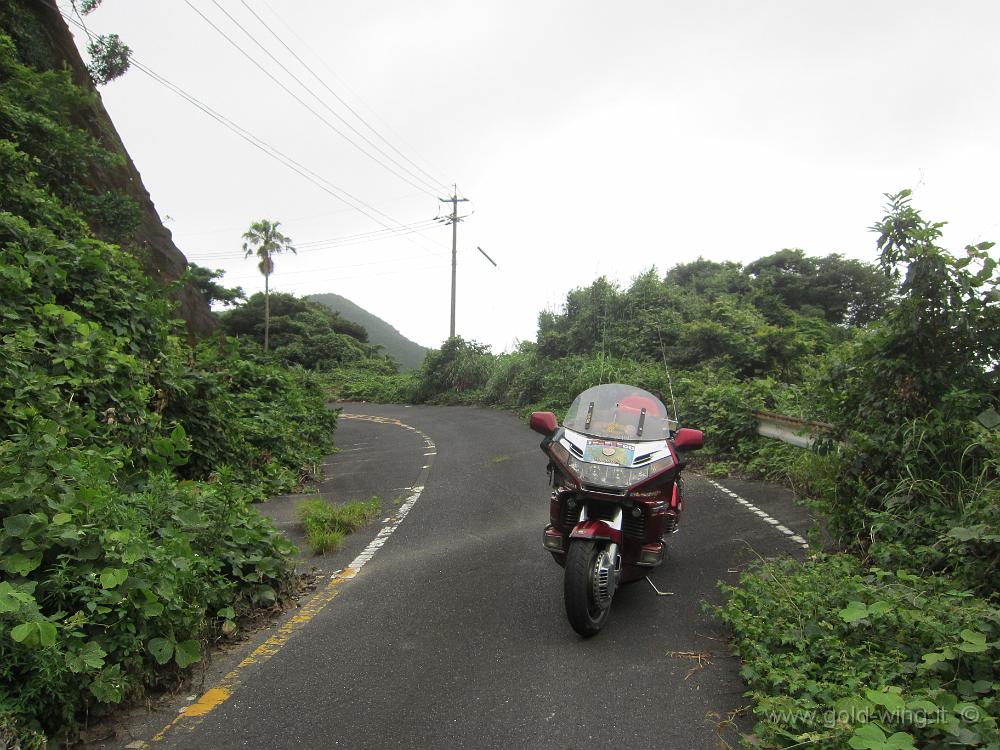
(585, 615)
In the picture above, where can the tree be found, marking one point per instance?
(841, 291)
(264, 240)
(109, 55)
(203, 279)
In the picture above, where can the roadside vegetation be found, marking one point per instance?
(890, 640)
(326, 524)
(130, 456)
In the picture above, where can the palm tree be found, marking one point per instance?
(264, 240)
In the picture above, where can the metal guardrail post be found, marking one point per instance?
(792, 430)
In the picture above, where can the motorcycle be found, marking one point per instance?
(615, 468)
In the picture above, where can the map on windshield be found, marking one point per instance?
(609, 452)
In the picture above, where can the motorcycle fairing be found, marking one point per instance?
(596, 529)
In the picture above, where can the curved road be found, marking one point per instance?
(453, 633)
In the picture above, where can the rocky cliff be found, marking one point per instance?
(45, 41)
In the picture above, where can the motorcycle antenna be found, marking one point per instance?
(670, 380)
(673, 401)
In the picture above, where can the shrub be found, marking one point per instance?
(838, 655)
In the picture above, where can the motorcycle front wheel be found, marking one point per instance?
(585, 562)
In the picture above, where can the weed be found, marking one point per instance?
(326, 524)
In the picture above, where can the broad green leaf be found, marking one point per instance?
(20, 564)
(853, 612)
(46, 633)
(179, 438)
(879, 608)
(109, 685)
(900, 741)
(187, 653)
(971, 648)
(133, 553)
(921, 706)
(934, 657)
(161, 649)
(12, 600)
(19, 525)
(92, 655)
(119, 537)
(972, 636)
(852, 705)
(191, 517)
(36, 634)
(891, 701)
(867, 737)
(112, 577)
(23, 632)
(965, 534)
(61, 518)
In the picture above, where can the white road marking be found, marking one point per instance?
(391, 523)
(764, 516)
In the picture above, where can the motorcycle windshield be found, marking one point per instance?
(619, 412)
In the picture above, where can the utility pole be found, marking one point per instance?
(454, 200)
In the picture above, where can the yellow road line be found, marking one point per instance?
(219, 693)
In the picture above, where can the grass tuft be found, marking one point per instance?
(326, 525)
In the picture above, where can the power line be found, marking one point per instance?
(426, 187)
(320, 99)
(316, 272)
(325, 185)
(351, 109)
(325, 214)
(274, 153)
(356, 95)
(325, 244)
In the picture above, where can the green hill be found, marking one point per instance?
(406, 352)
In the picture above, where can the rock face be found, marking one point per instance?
(151, 242)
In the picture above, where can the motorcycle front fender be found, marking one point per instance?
(596, 529)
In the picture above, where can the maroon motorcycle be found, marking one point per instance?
(615, 466)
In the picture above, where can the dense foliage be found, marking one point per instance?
(128, 459)
(306, 333)
(837, 655)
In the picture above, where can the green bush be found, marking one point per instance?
(103, 585)
(128, 460)
(364, 382)
(839, 655)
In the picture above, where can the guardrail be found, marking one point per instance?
(791, 430)
(805, 432)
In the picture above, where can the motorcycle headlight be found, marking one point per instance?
(615, 477)
(651, 469)
(562, 455)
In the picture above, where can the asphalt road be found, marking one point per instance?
(453, 634)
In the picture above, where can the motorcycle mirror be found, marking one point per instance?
(544, 422)
(688, 439)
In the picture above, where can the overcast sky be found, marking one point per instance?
(590, 137)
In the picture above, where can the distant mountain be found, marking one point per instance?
(409, 354)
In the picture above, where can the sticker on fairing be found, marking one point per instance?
(609, 452)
